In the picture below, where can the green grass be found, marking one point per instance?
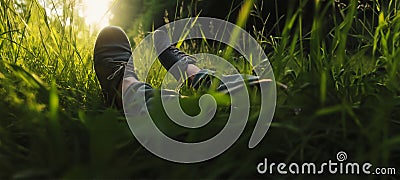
(338, 89)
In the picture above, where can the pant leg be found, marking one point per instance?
(140, 96)
(206, 79)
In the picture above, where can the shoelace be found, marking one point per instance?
(179, 53)
(122, 65)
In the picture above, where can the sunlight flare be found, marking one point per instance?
(96, 12)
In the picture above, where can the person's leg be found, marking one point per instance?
(128, 81)
(112, 55)
(182, 66)
(192, 70)
(178, 63)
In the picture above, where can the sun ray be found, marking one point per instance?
(96, 12)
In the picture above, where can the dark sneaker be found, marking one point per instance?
(112, 52)
(170, 56)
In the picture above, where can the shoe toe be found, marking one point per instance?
(111, 35)
(112, 41)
